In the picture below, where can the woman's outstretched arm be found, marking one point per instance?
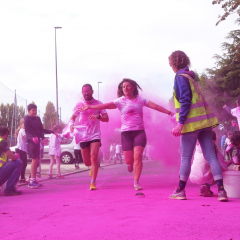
(110, 105)
(158, 108)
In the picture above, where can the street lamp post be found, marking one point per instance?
(56, 72)
(98, 89)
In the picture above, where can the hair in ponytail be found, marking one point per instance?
(17, 131)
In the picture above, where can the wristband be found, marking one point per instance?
(169, 112)
(99, 116)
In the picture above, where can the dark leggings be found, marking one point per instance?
(78, 156)
(229, 154)
(23, 158)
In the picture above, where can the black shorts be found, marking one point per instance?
(33, 149)
(131, 139)
(87, 144)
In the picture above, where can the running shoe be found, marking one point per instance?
(222, 196)
(22, 180)
(137, 187)
(33, 185)
(77, 167)
(60, 177)
(93, 186)
(12, 192)
(178, 195)
(206, 191)
(130, 167)
(50, 176)
(90, 173)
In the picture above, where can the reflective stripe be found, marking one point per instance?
(200, 115)
(3, 157)
(2, 162)
(195, 105)
(199, 118)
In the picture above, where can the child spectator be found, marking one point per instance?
(34, 131)
(227, 143)
(9, 170)
(55, 150)
(77, 150)
(22, 148)
(201, 172)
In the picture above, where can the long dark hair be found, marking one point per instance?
(132, 82)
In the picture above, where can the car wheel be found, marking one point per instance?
(66, 158)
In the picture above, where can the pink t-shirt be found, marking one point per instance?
(236, 113)
(92, 127)
(131, 112)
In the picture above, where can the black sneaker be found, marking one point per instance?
(12, 192)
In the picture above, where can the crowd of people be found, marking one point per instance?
(195, 121)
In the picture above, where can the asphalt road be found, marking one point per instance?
(66, 209)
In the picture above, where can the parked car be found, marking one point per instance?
(67, 150)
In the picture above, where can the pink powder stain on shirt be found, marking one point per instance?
(93, 126)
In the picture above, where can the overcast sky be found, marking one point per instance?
(103, 41)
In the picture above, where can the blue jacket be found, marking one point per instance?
(223, 139)
(183, 92)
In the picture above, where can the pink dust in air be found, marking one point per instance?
(161, 144)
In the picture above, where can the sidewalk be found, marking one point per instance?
(66, 169)
(66, 209)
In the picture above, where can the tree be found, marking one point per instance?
(50, 116)
(229, 6)
(221, 84)
(6, 115)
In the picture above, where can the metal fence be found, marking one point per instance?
(12, 108)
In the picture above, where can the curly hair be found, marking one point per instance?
(132, 82)
(179, 60)
(235, 138)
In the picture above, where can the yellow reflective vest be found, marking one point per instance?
(3, 157)
(200, 114)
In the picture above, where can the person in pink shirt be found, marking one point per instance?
(91, 142)
(133, 135)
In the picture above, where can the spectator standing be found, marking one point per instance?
(195, 122)
(34, 131)
(228, 142)
(223, 139)
(77, 153)
(112, 152)
(118, 153)
(55, 150)
(21, 148)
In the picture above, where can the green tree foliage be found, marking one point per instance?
(221, 84)
(6, 114)
(50, 116)
(229, 7)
